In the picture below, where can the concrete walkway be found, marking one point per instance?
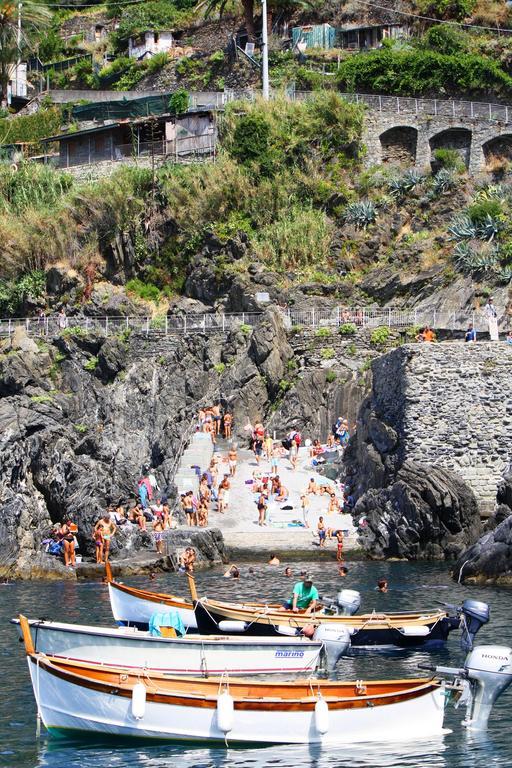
(239, 524)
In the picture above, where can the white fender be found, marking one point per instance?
(420, 631)
(232, 626)
(225, 712)
(284, 629)
(139, 701)
(321, 716)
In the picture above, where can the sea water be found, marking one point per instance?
(412, 587)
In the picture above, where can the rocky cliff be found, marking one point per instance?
(82, 415)
(431, 443)
(489, 560)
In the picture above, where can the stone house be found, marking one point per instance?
(149, 43)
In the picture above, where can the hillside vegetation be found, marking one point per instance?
(288, 187)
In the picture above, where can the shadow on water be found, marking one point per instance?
(412, 586)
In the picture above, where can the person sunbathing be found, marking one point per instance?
(312, 486)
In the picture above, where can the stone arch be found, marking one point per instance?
(398, 145)
(452, 138)
(498, 148)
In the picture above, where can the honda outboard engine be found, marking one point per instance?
(336, 642)
(349, 601)
(473, 615)
(486, 674)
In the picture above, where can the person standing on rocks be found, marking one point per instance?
(491, 314)
(62, 320)
(217, 418)
(104, 531)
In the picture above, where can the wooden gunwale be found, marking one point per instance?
(261, 612)
(375, 621)
(178, 693)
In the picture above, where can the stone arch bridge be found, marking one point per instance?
(408, 131)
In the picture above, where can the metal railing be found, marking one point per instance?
(381, 103)
(295, 319)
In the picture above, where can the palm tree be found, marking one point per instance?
(34, 18)
(219, 5)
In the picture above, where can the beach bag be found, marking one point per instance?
(286, 444)
(298, 438)
(55, 548)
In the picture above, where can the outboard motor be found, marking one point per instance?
(473, 615)
(349, 601)
(486, 674)
(336, 642)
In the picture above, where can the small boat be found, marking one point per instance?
(75, 697)
(414, 629)
(188, 655)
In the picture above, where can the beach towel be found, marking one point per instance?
(169, 619)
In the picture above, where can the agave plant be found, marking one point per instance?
(462, 228)
(468, 260)
(361, 214)
(491, 192)
(399, 186)
(488, 228)
(443, 181)
(504, 274)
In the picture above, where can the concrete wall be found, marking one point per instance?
(415, 137)
(451, 406)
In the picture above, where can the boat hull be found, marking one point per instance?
(371, 635)
(130, 607)
(65, 705)
(190, 655)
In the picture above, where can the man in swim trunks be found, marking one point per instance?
(104, 530)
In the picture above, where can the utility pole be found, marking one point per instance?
(264, 45)
(18, 60)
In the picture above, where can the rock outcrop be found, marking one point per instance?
(489, 560)
(407, 468)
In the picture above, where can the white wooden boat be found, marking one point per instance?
(76, 697)
(80, 697)
(191, 654)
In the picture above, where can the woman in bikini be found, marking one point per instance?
(107, 528)
(66, 534)
(158, 532)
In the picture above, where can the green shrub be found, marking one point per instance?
(152, 14)
(327, 353)
(74, 330)
(449, 159)
(446, 9)
(347, 329)
(179, 101)
(81, 428)
(41, 399)
(422, 72)
(91, 364)
(14, 293)
(480, 211)
(380, 335)
(284, 386)
(31, 128)
(297, 238)
(219, 368)
(145, 291)
(323, 332)
(158, 321)
(31, 185)
(444, 39)
(246, 329)
(330, 376)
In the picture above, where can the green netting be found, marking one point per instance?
(117, 110)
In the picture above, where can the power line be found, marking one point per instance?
(431, 18)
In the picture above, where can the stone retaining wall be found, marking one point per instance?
(451, 406)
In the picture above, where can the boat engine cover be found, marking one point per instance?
(349, 601)
(336, 642)
(488, 668)
(489, 658)
(474, 614)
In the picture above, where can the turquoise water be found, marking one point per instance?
(411, 586)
